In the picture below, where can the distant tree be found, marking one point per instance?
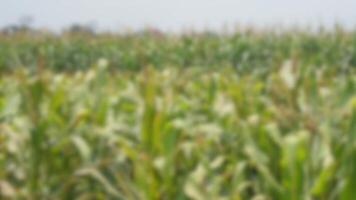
(23, 26)
(81, 29)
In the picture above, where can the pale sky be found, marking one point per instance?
(178, 14)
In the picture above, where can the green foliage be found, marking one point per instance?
(172, 128)
(245, 50)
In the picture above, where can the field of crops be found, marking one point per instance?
(250, 115)
(245, 49)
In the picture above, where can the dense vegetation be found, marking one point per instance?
(245, 50)
(251, 115)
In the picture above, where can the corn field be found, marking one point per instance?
(250, 115)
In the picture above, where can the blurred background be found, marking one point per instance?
(177, 15)
(150, 99)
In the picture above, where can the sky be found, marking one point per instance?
(174, 15)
